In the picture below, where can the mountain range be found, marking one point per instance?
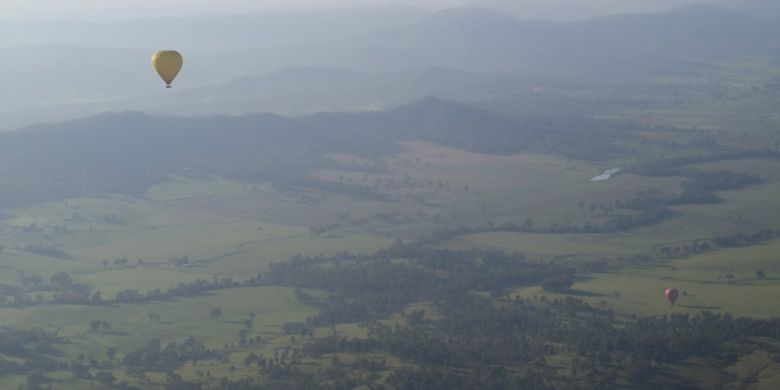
(48, 80)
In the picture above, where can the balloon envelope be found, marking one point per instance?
(672, 294)
(167, 63)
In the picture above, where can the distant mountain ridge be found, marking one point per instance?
(620, 48)
(289, 91)
(483, 39)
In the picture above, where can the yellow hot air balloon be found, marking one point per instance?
(167, 63)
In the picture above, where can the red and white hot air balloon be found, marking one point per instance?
(672, 294)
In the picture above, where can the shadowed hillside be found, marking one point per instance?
(128, 152)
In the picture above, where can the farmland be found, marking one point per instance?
(185, 230)
(454, 242)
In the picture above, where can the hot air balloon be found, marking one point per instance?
(671, 295)
(167, 63)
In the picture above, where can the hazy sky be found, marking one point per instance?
(128, 9)
(110, 10)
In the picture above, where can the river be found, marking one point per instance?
(607, 174)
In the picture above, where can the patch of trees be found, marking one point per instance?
(295, 328)
(645, 216)
(709, 182)
(475, 343)
(197, 287)
(121, 262)
(700, 190)
(366, 287)
(46, 251)
(6, 289)
(489, 379)
(33, 351)
(670, 339)
(78, 294)
(334, 344)
(474, 332)
(156, 356)
(652, 207)
(557, 283)
(741, 239)
(132, 296)
(28, 280)
(62, 280)
(490, 340)
(736, 240)
(678, 166)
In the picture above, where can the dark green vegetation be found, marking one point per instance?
(446, 243)
(101, 154)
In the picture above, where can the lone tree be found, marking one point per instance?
(216, 313)
(760, 274)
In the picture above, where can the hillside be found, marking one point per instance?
(128, 152)
(390, 198)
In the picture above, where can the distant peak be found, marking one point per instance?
(428, 101)
(303, 70)
(695, 7)
(699, 9)
(129, 114)
(463, 14)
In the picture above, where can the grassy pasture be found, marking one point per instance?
(141, 278)
(550, 244)
(229, 228)
(131, 328)
(180, 318)
(739, 118)
(702, 281)
(750, 209)
(235, 230)
(223, 225)
(500, 189)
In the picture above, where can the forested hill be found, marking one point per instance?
(128, 152)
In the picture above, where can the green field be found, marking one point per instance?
(186, 230)
(702, 281)
(410, 197)
(178, 319)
